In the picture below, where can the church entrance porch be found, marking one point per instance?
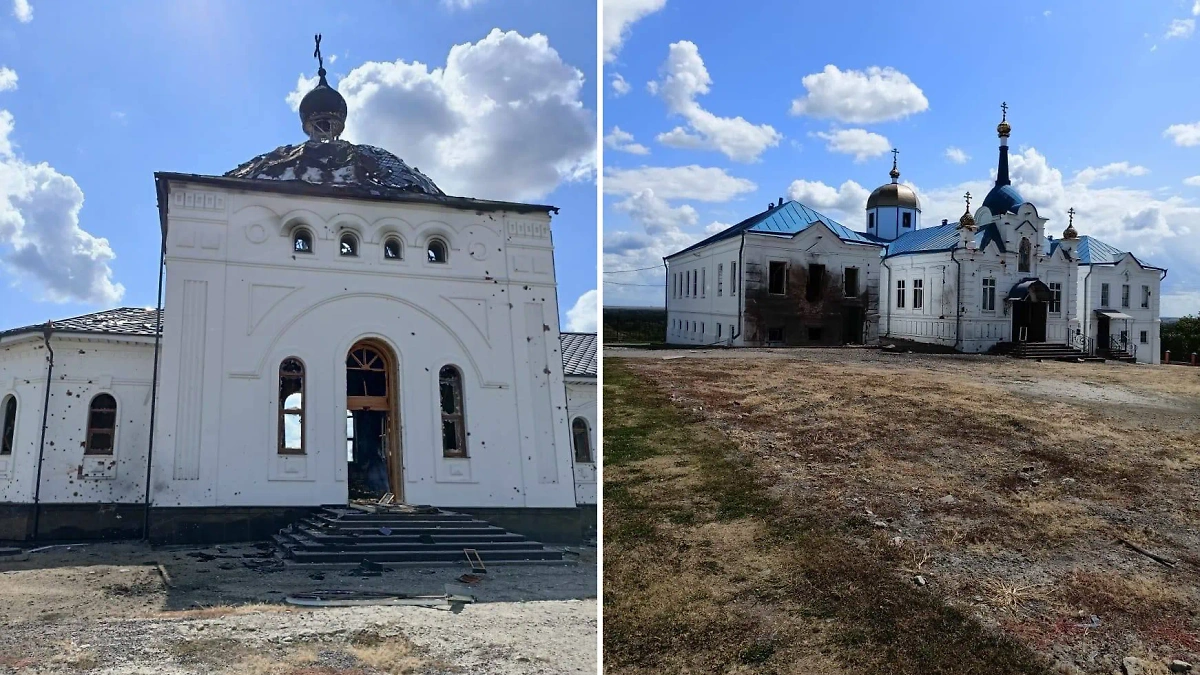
(1028, 302)
(372, 423)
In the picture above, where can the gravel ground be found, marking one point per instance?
(105, 608)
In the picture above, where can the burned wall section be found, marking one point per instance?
(803, 315)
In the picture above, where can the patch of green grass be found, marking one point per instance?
(879, 622)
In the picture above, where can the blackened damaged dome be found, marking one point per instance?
(338, 163)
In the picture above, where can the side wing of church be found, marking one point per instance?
(333, 327)
(992, 281)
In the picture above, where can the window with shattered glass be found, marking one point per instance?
(302, 242)
(291, 407)
(454, 437)
(437, 251)
(102, 425)
(392, 250)
(581, 436)
(8, 417)
(349, 245)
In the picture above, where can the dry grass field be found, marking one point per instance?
(851, 511)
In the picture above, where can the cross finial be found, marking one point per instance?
(1004, 111)
(895, 152)
(968, 198)
(1071, 215)
(317, 53)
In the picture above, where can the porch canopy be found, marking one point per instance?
(1112, 314)
(1032, 290)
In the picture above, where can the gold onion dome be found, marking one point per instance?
(1003, 129)
(893, 193)
(1070, 232)
(967, 221)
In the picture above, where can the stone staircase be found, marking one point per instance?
(1049, 352)
(1119, 354)
(403, 535)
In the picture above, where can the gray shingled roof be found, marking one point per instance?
(578, 349)
(578, 354)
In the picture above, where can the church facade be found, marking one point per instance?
(333, 327)
(993, 279)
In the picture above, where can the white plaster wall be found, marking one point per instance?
(889, 222)
(717, 298)
(1148, 319)
(239, 301)
(83, 368)
(581, 402)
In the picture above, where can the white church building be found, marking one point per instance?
(992, 281)
(332, 326)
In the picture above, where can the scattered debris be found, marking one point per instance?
(1153, 556)
(919, 580)
(385, 531)
(166, 578)
(454, 597)
(47, 548)
(1178, 666)
(1093, 622)
(476, 562)
(470, 579)
(948, 499)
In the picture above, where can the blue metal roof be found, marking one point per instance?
(790, 219)
(1003, 198)
(926, 240)
(1092, 251)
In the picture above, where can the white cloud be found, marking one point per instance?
(1093, 174)
(1181, 28)
(1194, 181)
(619, 15)
(861, 143)
(715, 227)
(8, 79)
(1196, 8)
(684, 77)
(707, 184)
(957, 155)
(23, 11)
(662, 230)
(502, 119)
(1184, 135)
(458, 4)
(619, 85)
(39, 223)
(581, 318)
(617, 139)
(845, 203)
(1179, 303)
(860, 97)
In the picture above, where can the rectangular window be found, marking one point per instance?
(1144, 337)
(814, 334)
(989, 295)
(870, 221)
(675, 284)
(900, 294)
(1145, 296)
(1124, 295)
(1055, 297)
(850, 282)
(702, 328)
(908, 220)
(720, 279)
(918, 293)
(695, 279)
(731, 333)
(718, 331)
(777, 278)
(775, 334)
(733, 278)
(1104, 295)
(703, 282)
(816, 283)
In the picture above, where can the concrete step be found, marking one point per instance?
(445, 557)
(334, 538)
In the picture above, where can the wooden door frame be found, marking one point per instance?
(389, 404)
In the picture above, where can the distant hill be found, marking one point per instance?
(635, 324)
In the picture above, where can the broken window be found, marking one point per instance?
(775, 334)
(366, 373)
(348, 245)
(1124, 295)
(918, 293)
(816, 282)
(1144, 337)
(814, 333)
(302, 241)
(437, 251)
(850, 281)
(102, 425)
(900, 293)
(581, 438)
(1055, 297)
(8, 418)
(1145, 296)
(454, 435)
(291, 407)
(989, 295)
(392, 250)
(777, 278)
(1025, 255)
(349, 435)
(907, 220)
(720, 279)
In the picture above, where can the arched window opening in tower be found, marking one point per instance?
(348, 245)
(581, 435)
(392, 250)
(8, 418)
(302, 241)
(437, 251)
(1024, 261)
(291, 407)
(102, 425)
(454, 436)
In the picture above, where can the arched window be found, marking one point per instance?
(302, 241)
(581, 438)
(348, 245)
(454, 433)
(102, 425)
(392, 249)
(8, 424)
(437, 251)
(1025, 254)
(291, 407)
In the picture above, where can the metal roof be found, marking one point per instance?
(338, 163)
(578, 354)
(790, 219)
(578, 349)
(1092, 251)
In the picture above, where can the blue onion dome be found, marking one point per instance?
(1003, 199)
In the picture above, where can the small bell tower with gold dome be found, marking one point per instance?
(893, 209)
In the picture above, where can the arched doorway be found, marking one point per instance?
(372, 422)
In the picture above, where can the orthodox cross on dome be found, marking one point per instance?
(317, 54)
(1003, 104)
(1071, 214)
(894, 173)
(968, 198)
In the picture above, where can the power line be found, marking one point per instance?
(639, 269)
(618, 283)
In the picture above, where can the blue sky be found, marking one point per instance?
(96, 96)
(1102, 118)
